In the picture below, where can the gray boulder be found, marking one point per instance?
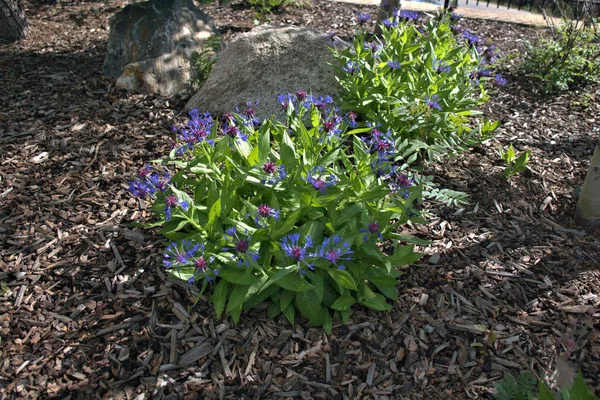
(157, 37)
(264, 63)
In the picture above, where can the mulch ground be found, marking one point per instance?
(508, 284)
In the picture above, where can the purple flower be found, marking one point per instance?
(334, 250)
(372, 46)
(249, 114)
(351, 67)
(263, 212)
(382, 143)
(432, 102)
(319, 102)
(362, 18)
(440, 67)
(144, 172)
(408, 15)
(490, 55)
(389, 23)
(196, 130)
(401, 184)
(393, 64)
(382, 166)
(157, 182)
(372, 231)
(471, 38)
(241, 247)
(180, 254)
(273, 173)
(351, 119)
(141, 189)
(500, 80)
(172, 201)
(455, 17)
(331, 126)
(285, 100)
(320, 181)
(291, 247)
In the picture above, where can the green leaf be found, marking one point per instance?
(239, 276)
(294, 283)
(235, 314)
(220, 296)
(580, 391)
(215, 212)
(383, 281)
(288, 152)
(376, 303)
(343, 278)
(404, 255)
(286, 299)
(273, 310)
(309, 307)
(344, 302)
(327, 321)
(544, 393)
(290, 313)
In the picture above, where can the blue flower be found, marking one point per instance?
(351, 67)
(141, 189)
(320, 181)
(432, 102)
(172, 201)
(408, 15)
(382, 143)
(401, 184)
(291, 247)
(393, 64)
(157, 182)
(334, 250)
(372, 231)
(471, 38)
(230, 129)
(362, 18)
(202, 263)
(263, 212)
(455, 17)
(180, 254)
(144, 172)
(331, 126)
(196, 130)
(440, 66)
(389, 23)
(382, 166)
(500, 80)
(249, 114)
(274, 173)
(286, 100)
(320, 103)
(350, 119)
(372, 46)
(241, 247)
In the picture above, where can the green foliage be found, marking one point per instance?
(265, 7)
(515, 165)
(422, 83)
(569, 57)
(285, 213)
(203, 62)
(527, 387)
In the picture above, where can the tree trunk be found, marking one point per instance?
(13, 24)
(588, 207)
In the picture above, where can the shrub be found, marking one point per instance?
(569, 57)
(422, 82)
(526, 387)
(291, 214)
(204, 61)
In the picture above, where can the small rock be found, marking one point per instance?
(435, 258)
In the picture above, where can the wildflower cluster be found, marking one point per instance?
(266, 211)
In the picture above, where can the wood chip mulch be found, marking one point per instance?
(509, 282)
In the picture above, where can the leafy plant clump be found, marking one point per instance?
(569, 57)
(422, 80)
(514, 164)
(303, 215)
(527, 387)
(204, 61)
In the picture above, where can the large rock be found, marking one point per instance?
(157, 37)
(264, 63)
